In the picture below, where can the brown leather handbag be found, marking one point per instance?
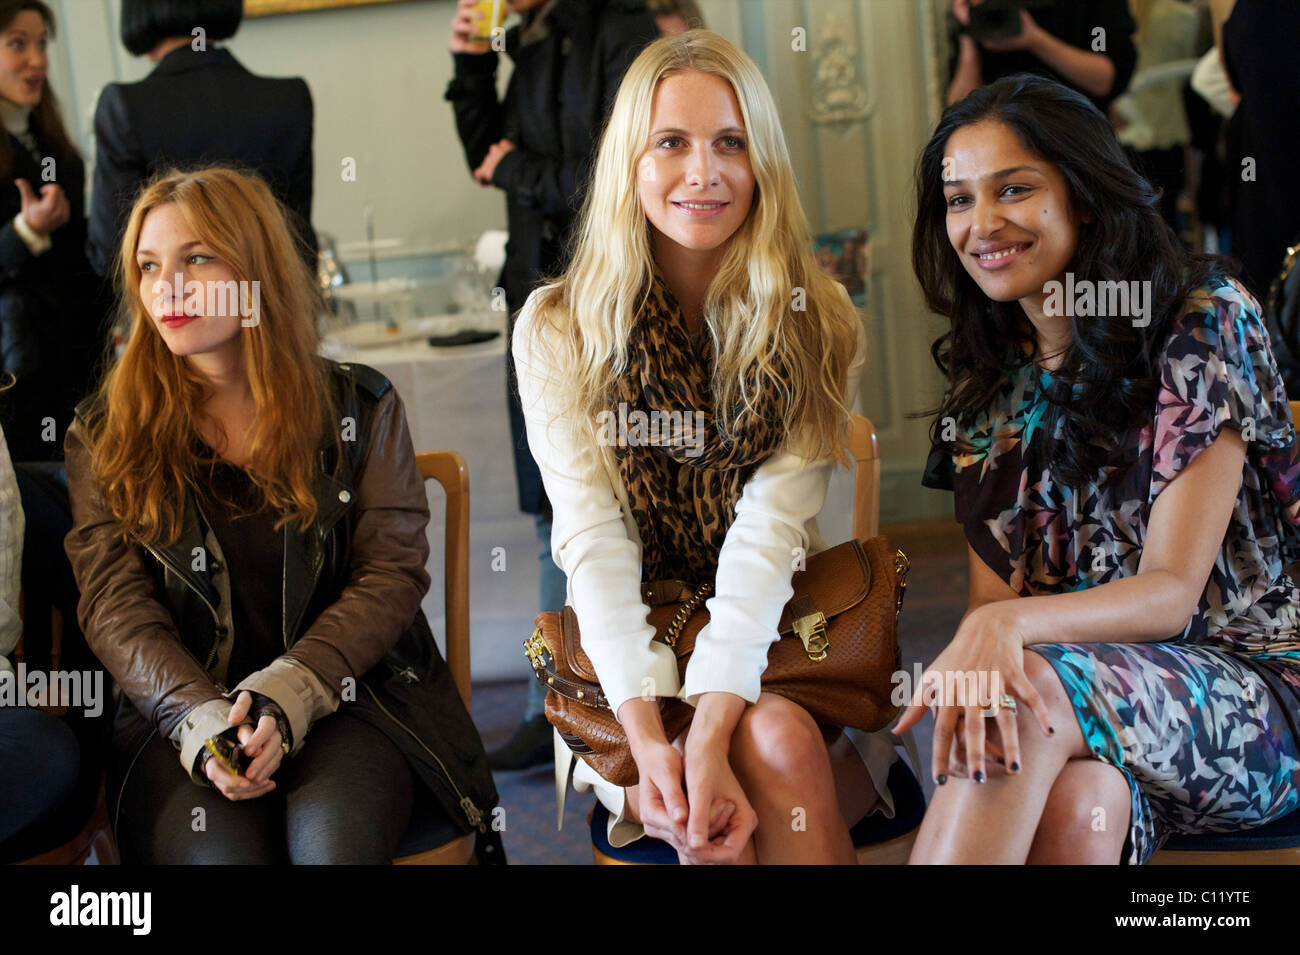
(836, 657)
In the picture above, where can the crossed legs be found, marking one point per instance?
(1063, 806)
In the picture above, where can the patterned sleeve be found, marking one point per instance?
(939, 467)
(1217, 371)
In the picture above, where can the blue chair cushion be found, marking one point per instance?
(429, 828)
(909, 807)
(1281, 833)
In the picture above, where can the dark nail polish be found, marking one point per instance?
(979, 776)
(1052, 730)
(943, 778)
(1015, 767)
(1001, 761)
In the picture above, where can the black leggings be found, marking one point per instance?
(345, 799)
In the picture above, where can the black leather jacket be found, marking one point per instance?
(162, 628)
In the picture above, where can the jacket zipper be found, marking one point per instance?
(472, 812)
(162, 559)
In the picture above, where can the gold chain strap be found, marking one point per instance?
(684, 612)
(901, 566)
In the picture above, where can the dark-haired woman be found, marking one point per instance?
(1125, 468)
(51, 309)
(198, 106)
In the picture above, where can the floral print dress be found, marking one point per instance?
(1203, 725)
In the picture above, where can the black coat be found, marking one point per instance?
(554, 111)
(53, 311)
(1259, 52)
(199, 108)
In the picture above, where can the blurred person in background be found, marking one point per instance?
(675, 16)
(1086, 46)
(1152, 120)
(199, 105)
(52, 306)
(535, 145)
(1259, 53)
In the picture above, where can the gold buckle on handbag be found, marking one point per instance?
(535, 649)
(812, 631)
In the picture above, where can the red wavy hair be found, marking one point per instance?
(145, 444)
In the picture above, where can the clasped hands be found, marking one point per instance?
(264, 743)
(708, 820)
(984, 662)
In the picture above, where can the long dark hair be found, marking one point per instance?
(1108, 377)
(46, 119)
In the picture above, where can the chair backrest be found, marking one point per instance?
(449, 468)
(866, 477)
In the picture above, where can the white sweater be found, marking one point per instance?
(594, 540)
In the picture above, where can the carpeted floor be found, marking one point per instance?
(934, 603)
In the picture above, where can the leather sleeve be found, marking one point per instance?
(389, 551)
(126, 624)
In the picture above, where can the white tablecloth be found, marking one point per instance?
(456, 399)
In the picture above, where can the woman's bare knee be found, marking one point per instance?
(1086, 816)
(777, 738)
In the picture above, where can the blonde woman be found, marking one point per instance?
(249, 542)
(692, 292)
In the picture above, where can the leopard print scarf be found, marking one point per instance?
(682, 481)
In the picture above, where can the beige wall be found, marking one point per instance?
(377, 75)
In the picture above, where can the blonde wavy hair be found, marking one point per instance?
(585, 318)
(144, 438)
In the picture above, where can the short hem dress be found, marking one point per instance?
(1203, 725)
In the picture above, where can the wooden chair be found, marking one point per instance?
(97, 834)
(430, 838)
(879, 841)
(889, 842)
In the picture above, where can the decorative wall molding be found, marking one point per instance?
(839, 93)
